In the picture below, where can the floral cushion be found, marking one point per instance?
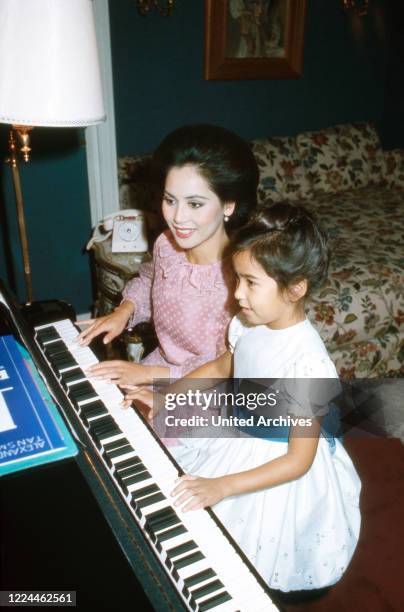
(347, 156)
(359, 313)
(361, 154)
(282, 176)
(322, 159)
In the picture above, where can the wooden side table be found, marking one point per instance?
(113, 271)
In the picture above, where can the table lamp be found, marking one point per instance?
(49, 76)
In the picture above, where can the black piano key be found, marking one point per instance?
(144, 491)
(197, 578)
(168, 534)
(126, 463)
(47, 331)
(125, 475)
(159, 515)
(82, 391)
(102, 428)
(135, 468)
(150, 499)
(55, 348)
(61, 361)
(181, 549)
(160, 520)
(131, 471)
(210, 603)
(92, 410)
(115, 449)
(71, 376)
(133, 477)
(207, 589)
(103, 425)
(46, 335)
(176, 564)
(125, 483)
(145, 502)
(188, 559)
(110, 447)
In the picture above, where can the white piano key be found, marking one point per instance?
(203, 583)
(188, 571)
(208, 596)
(123, 457)
(160, 505)
(175, 541)
(132, 488)
(220, 555)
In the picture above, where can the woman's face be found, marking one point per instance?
(192, 211)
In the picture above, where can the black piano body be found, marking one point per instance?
(123, 571)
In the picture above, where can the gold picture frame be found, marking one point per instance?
(254, 39)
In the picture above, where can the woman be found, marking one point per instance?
(210, 181)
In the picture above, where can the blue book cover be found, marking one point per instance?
(32, 431)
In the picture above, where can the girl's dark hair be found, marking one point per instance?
(288, 242)
(223, 159)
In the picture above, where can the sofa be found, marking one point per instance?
(357, 191)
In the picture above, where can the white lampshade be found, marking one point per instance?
(49, 70)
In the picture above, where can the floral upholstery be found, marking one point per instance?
(360, 311)
(342, 158)
(282, 175)
(357, 191)
(362, 154)
(323, 161)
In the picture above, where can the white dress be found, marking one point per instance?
(301, 534)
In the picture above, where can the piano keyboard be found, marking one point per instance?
(206, 567)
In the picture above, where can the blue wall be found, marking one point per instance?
(55, 190)
(159, 76)
(352, 72)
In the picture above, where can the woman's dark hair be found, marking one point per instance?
(222, 158)
(288, 242)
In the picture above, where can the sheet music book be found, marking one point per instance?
(32, 432)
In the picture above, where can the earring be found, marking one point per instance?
(226, 218)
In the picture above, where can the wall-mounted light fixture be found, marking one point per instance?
(358, 7)
(164, 7)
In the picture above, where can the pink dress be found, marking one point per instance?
(190, 305)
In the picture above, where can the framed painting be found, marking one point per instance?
(254, 39)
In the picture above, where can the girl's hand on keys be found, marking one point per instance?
(119, 372)
(143, 398)
(196, 492)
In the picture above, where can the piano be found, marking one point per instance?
(184, 561)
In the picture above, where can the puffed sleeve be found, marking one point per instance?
(236, 330)
(138, 291)
(310, 386)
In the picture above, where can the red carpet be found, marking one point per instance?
(374, 582)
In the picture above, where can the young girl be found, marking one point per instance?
(292, 506)
(210, 178)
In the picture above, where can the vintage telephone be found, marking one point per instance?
(128, 229)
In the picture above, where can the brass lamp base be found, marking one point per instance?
(22, 132)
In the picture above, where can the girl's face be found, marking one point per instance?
(192, 211)
(259, 296)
